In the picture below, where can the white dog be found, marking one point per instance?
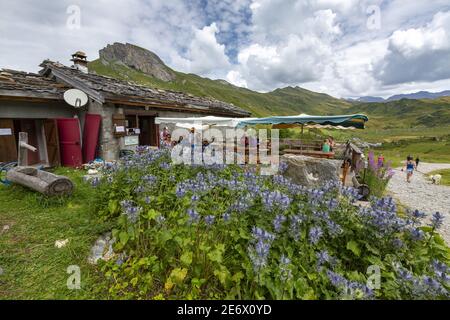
(436, 179)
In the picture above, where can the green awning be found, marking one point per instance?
(354, 120)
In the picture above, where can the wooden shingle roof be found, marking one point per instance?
(106, 89)
(15, 83)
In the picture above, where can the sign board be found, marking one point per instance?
(131, 140)
(120, 129)
(5, 131)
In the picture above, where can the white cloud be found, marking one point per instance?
(286, 50)
(322, 45)
(235, 78)
(206, 55)
(418, 54)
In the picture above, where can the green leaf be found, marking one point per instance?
(152, 214)
(186, 258)
(165, 236)
(216, 254)
(177, 275)
(353, 247)
(113, 206)
(123, 237)
(222, 275)
(237, 277)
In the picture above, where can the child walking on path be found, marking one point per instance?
(410, 166)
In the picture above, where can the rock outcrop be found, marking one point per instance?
(309, 171)
(137, 58)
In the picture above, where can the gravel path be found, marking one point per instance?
(422, 195)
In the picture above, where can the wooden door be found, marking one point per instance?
(70, 142)
(8, 147)
(52, 142)
(148, 136)
(29, 126)
(90, 136)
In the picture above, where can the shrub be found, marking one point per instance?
(377, 175)
(196, 232)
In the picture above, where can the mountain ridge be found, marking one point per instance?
(282, 101)
(412, 96)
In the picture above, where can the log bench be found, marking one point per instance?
(41, 181)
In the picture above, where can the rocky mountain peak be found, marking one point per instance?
(137, 58)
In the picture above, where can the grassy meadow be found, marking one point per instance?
(32, 267)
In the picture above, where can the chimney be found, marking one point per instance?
(80, 62)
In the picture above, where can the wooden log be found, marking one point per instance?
(41, 181)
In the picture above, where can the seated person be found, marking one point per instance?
(168, 140)
(331, 143)
(326, 146)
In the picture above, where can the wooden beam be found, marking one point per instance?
(178, 108)
(78, 85)
(140, 112)
(20, 95)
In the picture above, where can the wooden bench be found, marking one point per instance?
(311, 153)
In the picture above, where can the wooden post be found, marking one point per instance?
(22, 160)
(22, 152)
(344, 172)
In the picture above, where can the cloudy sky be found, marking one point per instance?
(345, 48)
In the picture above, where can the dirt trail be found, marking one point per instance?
(422, 195)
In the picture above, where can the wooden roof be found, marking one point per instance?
(106, 89)
(24, 85)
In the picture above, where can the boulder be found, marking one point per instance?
(102, 249)
(309, 171)
(137, 58)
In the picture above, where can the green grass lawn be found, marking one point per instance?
(428, 151)
(445, 176)
(32, 267)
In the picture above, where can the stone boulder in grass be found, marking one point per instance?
(309, 171)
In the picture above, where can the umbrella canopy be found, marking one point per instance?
(355, 120)
(208, 120)
(194, 125)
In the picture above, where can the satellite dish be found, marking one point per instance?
(75, 98)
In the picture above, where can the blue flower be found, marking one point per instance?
(132, 213)
(417, 214)
(285, 271)
(180, 191)
(193, 215)
(323, 257)
(95, 182)
(333, 228)
(405, 275)
(139, 189)
(397, 243)
(283, 166)
(436, 220)
(210, 219)
(259, 251)
(278, 221)
(315, 233)
(336, 279)
(417, 234)
(226, 217)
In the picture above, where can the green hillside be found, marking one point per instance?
(292, 100)
(406, 113)
(286, 101)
